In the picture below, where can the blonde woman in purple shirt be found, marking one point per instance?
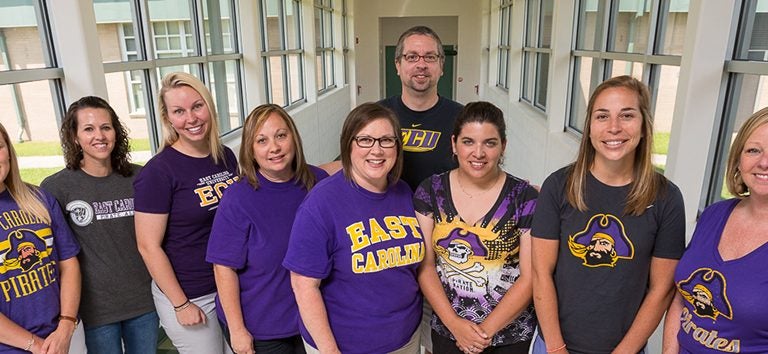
(176, 196)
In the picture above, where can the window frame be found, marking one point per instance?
(504, 47)
(533, 52)
(325, 50)
(285, 54)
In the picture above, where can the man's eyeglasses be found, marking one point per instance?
(367, 141)
(429, 58)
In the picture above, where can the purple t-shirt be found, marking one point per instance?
(724, 304)
(250, 234)
(366, 248)
(30, 251)
(188, 190)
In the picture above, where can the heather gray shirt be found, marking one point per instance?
(116, 284)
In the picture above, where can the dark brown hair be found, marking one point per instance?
(360, 117)
(120, 158)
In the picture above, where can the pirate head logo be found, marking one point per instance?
(602, 243)
(705, 291)
(461, 244)
(80, 212)
(26, 249)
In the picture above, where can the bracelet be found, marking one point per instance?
(182, 306)
(30, 343)
(556, 349)
(69, 318)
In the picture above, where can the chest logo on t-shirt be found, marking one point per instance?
(419, 140)
(602, 242)
(80, 212)
(25, 255)
(705, 290)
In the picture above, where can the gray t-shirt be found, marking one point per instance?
(604, 256)
(116, 284)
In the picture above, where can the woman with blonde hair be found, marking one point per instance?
(176, 196)
(607, 233)
(39, 267)
(728, 247)
(255, 303)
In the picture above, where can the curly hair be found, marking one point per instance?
(73, 154)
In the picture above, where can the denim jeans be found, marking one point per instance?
(138, 335)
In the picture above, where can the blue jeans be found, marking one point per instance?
(138, 334)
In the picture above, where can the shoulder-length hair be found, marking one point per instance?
(357, 119)
(254, 122)
(733, 180)
(178, 79)
(73, 154)
(646, 182)
(26, 195)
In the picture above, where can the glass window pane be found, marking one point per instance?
(590, 25)
(532, 19)
(545, 24)
(663, 113)
(319, 28)
(620, 67)
(585, 80)
(328, 29)
(329, 78)
(503, 64)
(672, 35)
(292, 25)
(295, 78)
(218, 29)
(754, 34)
(504, 22)
(542, 74)
(272, 26)
(125, 92)
(114, 24)
(190, 69)
(632, 26)
(527, 70)
(275, 81)
(226, 91)
(20, 43)
(319, 68)
(28, 114)
(174, 17)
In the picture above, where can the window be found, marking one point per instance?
(747, 90)
(345, 40)
(536, 52)
(281, 21)
(31, 99)
(136, 56)
(626, 37)
(505, 22)
(324, 45)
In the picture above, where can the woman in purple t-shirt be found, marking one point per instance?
(256, 306)
(721, 282)
(355, 247)
(176, 196)
(39, 270)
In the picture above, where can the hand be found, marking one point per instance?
(242, 341)
(58, 341)
(470, 338)
(191, 315)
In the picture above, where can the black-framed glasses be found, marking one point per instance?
(365, 141)
(413, 57)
